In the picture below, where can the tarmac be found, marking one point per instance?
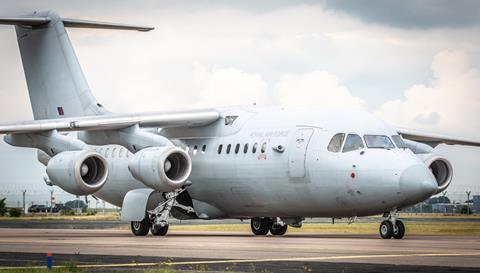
(107, 249)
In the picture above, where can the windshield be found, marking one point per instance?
(353, 142)
(399, 141)
(374, 141)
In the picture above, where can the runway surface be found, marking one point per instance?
(118, 248)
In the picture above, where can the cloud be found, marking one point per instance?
(412, 13)
(314, 89)
(228, 86)
(449, 103)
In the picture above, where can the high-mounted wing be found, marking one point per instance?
(115, 121)
(435, 139)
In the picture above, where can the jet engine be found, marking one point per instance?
(78, 172)
(441, 169)
(161, 168)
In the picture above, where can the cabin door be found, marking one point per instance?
(298, 152)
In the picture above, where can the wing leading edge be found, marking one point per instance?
(115, 121)
(435, 139)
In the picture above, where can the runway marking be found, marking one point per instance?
(322, 258)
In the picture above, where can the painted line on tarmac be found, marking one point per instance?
(294, 259)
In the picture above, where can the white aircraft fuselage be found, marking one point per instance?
(301, 178)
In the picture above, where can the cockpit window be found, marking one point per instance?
(376, 141)
(336, 142)
(353, 142)
(399, 141)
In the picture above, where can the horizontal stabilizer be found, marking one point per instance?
(76, 23)
(93, 24)
(24, 21)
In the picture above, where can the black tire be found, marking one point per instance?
(399, 230)
(140, 228)
(278, 230)
(260, 226)
(158, 230)
(386, 229)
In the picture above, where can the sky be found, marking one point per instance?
(415, 64)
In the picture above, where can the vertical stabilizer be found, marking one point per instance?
(56, 84)
(55, 80)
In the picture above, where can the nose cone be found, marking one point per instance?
(417, 184)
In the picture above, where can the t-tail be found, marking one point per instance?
(56, 83)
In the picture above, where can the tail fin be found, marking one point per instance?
(56, 84)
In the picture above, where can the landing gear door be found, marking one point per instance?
(298, 152)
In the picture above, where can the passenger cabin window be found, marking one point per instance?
(399, 142)
(237, 148)
(377, 141)
(220, 147)
(229, 146)
(353, 142)
(195, 148)
(336, 142)
(264, 147)
(245, 148)
(204, 148)
(254, 148)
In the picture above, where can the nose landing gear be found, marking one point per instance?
(392, 227)
(262, 225)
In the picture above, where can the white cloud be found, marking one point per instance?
(228, 86)
(449, 103)
(314, 89)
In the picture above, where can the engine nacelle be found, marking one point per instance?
(161, 168)
(441, 168)
(78, 172)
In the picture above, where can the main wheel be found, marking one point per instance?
(260, 226)
(399, 230)
(386, 229)
(140, 228)
(158, 230)
(276, 229)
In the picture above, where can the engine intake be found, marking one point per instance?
(78, 172)
(161, 168)
(441, 169)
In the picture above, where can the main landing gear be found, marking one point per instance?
(262, 225)
(156, 220)
(392, 227)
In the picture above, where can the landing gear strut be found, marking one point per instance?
(392, 227)
(156, 220)
(262, 225)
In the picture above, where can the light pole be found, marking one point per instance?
(51, 200)
(468, 199)
(24, 204)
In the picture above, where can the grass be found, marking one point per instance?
(38, 217)
(416, 228)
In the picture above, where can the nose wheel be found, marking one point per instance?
(392, 228)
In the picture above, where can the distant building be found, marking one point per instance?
(476, 203)
(445, 208)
